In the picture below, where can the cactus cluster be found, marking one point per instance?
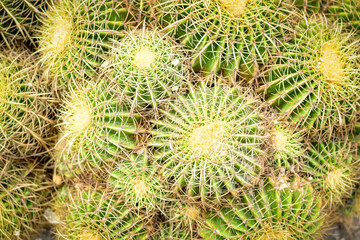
(178, 119)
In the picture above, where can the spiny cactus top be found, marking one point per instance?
(228, 36)
(23, 193)
(210, 141)
(97, 128)
(18, 17)
(279, 209)
(314, 81)
(148, 66)
(74, 35)
(139, 182)
(286, 146)
(345, 11)
(24, 105)
(332, 168)
(89, 213)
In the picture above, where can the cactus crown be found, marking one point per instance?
(235, 7)
(332, 64)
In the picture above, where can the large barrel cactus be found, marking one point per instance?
(75, 36)
(24, 106)
(96, 129)
(279, 209)
(222, 34)
(314, 81)
(210, 142)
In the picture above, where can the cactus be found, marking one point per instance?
(139, 182)
(181, 222)
(210, 142)
(332, 168)
(18, 18)
(148, 66)
(286, 146)
(222, 34)
(314, 81)
(97, 128)
(24, 106)
(280, 209)
(24, 190)
(345, 11)
(75, 36)
(89, 212)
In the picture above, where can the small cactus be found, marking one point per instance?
(148, 66)
(280, 209)
(75, 36)
(210, 142)
(24, 106)
(24, 189)
(97, 128)
(139, 182)
(314, 81)
(222, 34)
(332, 167)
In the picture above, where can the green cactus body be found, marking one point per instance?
(24, 106)
(222, 34)
(278, 210)
(210, 142)
(23, 193)
(345, 11)
(75, 36)
(314, 81)
(18, 17)
(148, 66)
(286, 146)
(97, 128)
(307, 5)
(88, 213)
(332, 169)
(139, 182)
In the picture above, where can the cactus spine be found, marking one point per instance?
(345, 11)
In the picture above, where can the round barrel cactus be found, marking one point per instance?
(332, 168)
(75, 34)
(314, 80)
(139, 182)
(279, 209)
(96, 129)
(19, 17)
(148, 66)
(23, 196)
(89, 212)
(24, 106)
(222, 35)
(210, 141)
(345, 11)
